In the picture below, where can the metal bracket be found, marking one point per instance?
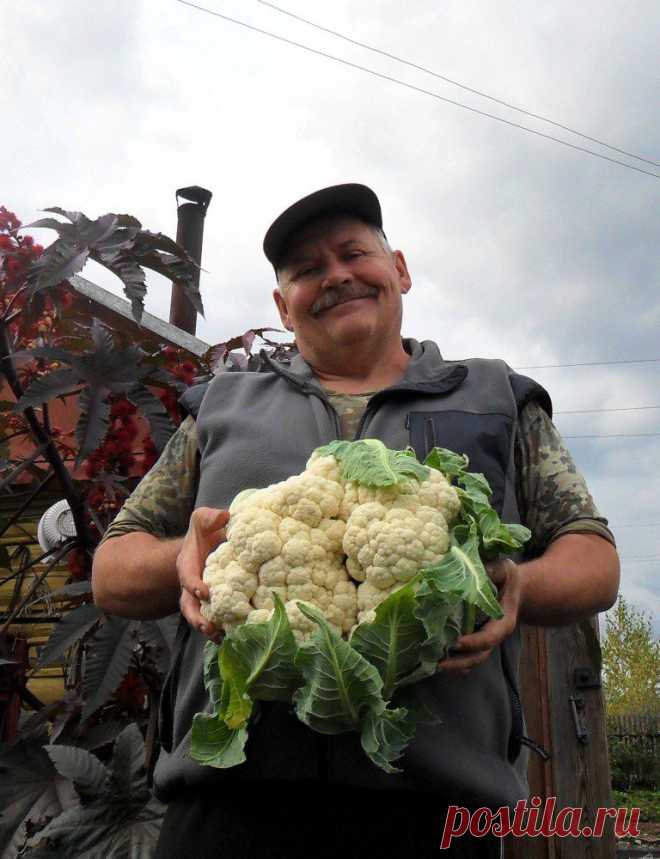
(577, 709)
(586, 678)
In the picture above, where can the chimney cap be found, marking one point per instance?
(195, 194)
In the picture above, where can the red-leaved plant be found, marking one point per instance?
(84, 759)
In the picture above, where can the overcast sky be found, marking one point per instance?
(519, 247)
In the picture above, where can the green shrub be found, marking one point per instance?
(648, 802)
(633, 764)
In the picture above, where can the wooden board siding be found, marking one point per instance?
(48, 684)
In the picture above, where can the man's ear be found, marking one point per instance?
(405, 280)
(282, 308)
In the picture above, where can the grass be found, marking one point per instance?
(648, 802)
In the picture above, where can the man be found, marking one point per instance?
(339, 290)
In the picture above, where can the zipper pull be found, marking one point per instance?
(536, 747)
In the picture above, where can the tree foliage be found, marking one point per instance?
(631, 662)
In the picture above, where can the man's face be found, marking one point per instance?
(338, 285)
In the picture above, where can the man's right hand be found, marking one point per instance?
(205, 533)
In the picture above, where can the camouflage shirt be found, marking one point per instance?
(552, 495)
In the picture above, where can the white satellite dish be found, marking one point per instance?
(56, 526)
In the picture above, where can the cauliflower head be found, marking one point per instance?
(329, 541)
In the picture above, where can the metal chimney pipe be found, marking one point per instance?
(189, 233)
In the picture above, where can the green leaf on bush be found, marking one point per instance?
(31, 789)
(107, 662)
(118, 816)
(85, 770)
(71, 628)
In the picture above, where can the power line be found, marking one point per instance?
(594, 411)
(617, 435)
(638, 525)
(587, 363)
(640, 559)
(415, 88)
(456, 83)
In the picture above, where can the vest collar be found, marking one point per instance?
(426, 372)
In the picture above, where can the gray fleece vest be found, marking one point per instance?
(256, 429)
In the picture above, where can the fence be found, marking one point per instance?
(636, 730)
(634, 745)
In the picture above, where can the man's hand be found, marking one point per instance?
(475, 648)
(576, 576)
(205, 533)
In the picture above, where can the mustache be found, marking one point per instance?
(339, 294)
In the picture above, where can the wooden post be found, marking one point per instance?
(534, 693)
(563, 701)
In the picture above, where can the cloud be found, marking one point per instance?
(519, 248)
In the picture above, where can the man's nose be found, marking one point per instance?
(336, 273)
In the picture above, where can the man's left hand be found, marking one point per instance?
(473, 649)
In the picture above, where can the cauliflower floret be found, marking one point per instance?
(356, 495)
(438, 493)
(309, 567)
(435, 492)
(403, 542)
(291, 529)
(369, 597)
(253, 534)
(301, 626)
(387, 547)
(231, 587)
(324, 466)
(306, 497)
(357, 535)
(319, 577)
(241, 499)
(355, 570)
(259, 615)
(342, 611)
(330, 534)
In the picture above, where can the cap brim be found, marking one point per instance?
(349, 199)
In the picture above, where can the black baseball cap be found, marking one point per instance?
(349, 199)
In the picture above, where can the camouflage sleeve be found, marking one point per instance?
(162, 502)
(553, 497)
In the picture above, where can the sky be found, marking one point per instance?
(519, 247)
